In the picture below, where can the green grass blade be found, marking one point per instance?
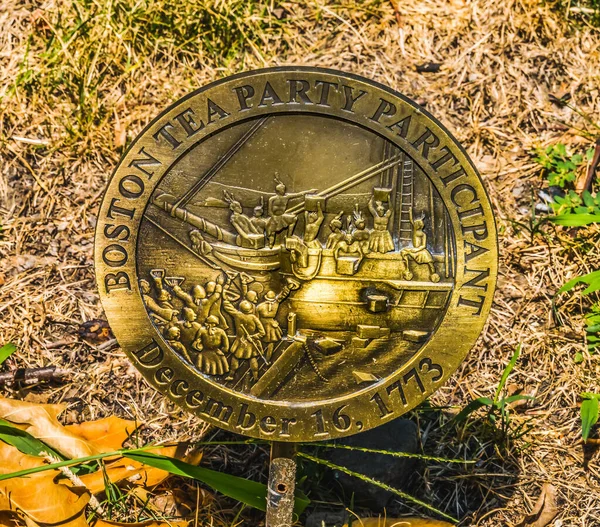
(518, 397)
(52, 466)
(384, 486)
(6, 351)
(22, 440)
(589, 416)
(472, 407)
(241, 489)
(391, 453)
(575, 220)
(506, 372)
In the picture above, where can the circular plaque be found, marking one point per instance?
(296, 254)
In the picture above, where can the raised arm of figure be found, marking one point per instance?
(320, 214)
(372, 209)
(185, 297)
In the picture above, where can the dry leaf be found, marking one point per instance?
(40, 420)
(107, 434)
(95, 331)
(38, 495)
(544, 510)
(123, 469)
(398, 522)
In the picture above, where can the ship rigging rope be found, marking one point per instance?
(185, 199)
(356, 179)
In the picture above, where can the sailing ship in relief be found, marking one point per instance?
(367, 256)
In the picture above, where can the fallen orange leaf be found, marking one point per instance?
(107, 434)
(123, 469)
(38, 495)
(40, 420)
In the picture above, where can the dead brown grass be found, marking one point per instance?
(74, 88)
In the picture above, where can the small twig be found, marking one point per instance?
(61, 343)
(589, 178)
(32, 375)
(108, 345)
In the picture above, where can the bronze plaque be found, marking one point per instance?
(296, 254)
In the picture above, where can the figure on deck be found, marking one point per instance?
(354, 245)
(312, 225)
(418, 252)
(211, 344)
(258, 220)
(249, 331)
(337, 234)
(199, 244)
(242, 223)
(278, 219)
(360, 235)
(381, 239)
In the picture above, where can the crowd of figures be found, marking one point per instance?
(349, 233)
(200, 330)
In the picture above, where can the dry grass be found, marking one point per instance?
(78, 80)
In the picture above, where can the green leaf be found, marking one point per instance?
(506, 372)
(472, 407)
(589, 153)
(589, 416)
(575, 220)
(587, 198)
(589, 279)
(6, 351)
(243, 490)
(578, 357)
(23, 441)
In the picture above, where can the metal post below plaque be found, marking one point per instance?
(282, 483)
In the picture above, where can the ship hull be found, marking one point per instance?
(373, 295)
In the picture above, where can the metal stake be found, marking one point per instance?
(282, 483)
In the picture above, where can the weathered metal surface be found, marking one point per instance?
(296, 254)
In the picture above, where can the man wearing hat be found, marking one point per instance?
(211, 344)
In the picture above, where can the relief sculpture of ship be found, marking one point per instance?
(299, 265)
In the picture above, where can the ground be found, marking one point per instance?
(79, 80)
